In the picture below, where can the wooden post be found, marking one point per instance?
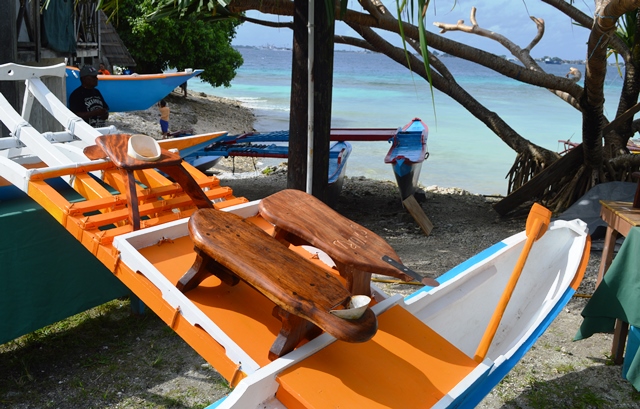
(8, 53)
(413, 207)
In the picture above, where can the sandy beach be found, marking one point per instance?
(556, 373)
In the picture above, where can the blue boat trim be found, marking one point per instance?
(217, 403)
(497, 373)
(253, 145)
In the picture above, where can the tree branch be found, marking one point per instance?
(388, 23)
(356, 42)
(274, 24)
(521, 54)
(446, 83)
(586, 22)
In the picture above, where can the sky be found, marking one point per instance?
(509, 18)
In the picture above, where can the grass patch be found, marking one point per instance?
(543, 395)
(565, 368)
(103, 357)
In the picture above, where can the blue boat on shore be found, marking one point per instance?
(406, 155)
(135, 92)
(271, 145)
(407, 152)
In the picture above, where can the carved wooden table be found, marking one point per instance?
(232, 248)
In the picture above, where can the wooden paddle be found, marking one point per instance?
(537, 225)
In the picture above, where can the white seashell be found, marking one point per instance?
(357, 306)
(143, 147)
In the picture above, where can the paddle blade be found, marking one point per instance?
(543, 216)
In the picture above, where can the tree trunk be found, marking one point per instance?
(297, 173)
(323, 79)
(592, 102)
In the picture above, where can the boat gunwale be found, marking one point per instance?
(135, 76)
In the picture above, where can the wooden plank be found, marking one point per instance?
(315, 223)
(413, 207)
(537, 185)
(362, 134)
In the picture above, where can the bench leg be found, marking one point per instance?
(358, 281)
(203, 267)
(621, 331)
(287, 238)
(607, 253)
(132, 198)
(294, 330)
(189, 185)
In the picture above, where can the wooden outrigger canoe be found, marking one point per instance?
(406, 155)
(135, 92)
(267, 315)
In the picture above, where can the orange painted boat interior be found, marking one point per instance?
(240, 311)
(133, 77)
(342, 374)
(101, 214)
(337, 375)
(365, 375)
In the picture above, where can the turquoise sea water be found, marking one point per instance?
(370, 90)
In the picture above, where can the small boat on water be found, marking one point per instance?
(406, 155)
(135, 92)
(299, 324)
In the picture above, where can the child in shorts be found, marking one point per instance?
(164, 118)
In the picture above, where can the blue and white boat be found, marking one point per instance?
(271, 145)
(135, 92)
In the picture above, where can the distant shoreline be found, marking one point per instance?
(544, 60)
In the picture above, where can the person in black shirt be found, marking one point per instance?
(86, 101)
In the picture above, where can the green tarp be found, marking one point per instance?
(46, 275)
(617, 297)
(57, 26)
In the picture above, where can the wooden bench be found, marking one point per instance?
(357, 251)
(115, 148)
(232, 248)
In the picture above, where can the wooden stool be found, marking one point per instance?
(115, 148)
(357, 251)
(232, 248)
